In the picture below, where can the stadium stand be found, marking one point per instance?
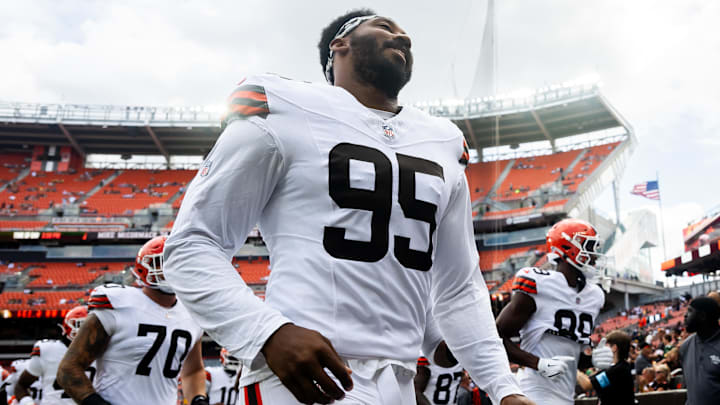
(42, 190)
(21, 225)
(530, 173)
(137, 189)
(63, 275)
(592, 159)
(253, 271)
(12, 165)
(491, 259)
(481, 177)
(52, 300)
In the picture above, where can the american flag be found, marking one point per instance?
(648, 189)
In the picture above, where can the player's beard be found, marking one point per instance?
(379, 71)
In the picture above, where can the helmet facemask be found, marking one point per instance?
(587, 260)
(153, 264)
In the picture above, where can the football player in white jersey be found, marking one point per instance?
(221, 382)
(44, 361)
(142, 340)
(554, 312)
(16, 369)
(436, 385)
(365, 209)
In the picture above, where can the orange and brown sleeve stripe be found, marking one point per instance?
(99, 302)
(246, 101)
(422, 361)
(524, 284)
(35, 351)
(465, 157)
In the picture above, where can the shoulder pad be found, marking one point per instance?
(248, 99)
(111, 296)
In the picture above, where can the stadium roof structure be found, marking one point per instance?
(109, 129)
(547, 114)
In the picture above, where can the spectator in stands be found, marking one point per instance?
(662, 373)
(667, 343)
(614, 383)
(643, 359)
(700, 353)
(646, 380)
(715, 295)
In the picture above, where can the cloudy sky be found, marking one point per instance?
(658, 61)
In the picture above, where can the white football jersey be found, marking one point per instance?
(16, 369)
(562, 324)
(367, 222)
(220, 386)
(443, 384)
(44, 361)
(148, 344)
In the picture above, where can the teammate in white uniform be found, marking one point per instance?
(365, 209)
(436, 385)
(16, 369)
(142, 338)
(221, 382)
(554, 314)
(43, 365)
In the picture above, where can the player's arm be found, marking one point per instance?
(89, 344)
(512, 318)
(422, 376)
(461, 303)
(193, 376)
(22, 386)
(220, 207)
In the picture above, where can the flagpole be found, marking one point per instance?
(662, 221)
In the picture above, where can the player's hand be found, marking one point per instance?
(602, 356)
(516, 399)
(298, 356)
(554, 368)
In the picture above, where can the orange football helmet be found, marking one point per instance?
(149, 265)
(73, 320)
(576, 242)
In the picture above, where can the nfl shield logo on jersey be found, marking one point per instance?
(205, 169)
(388, 131)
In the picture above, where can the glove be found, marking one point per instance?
(25, 401)
(95, 399)
(200, 400)
(602, 356)
(554, 368)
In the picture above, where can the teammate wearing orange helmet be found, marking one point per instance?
(553, 313)
(143, 339)
(222, 382)
(43, 364)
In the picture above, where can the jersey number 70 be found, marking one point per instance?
(379, 202)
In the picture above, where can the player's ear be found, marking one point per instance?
(340, 45)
